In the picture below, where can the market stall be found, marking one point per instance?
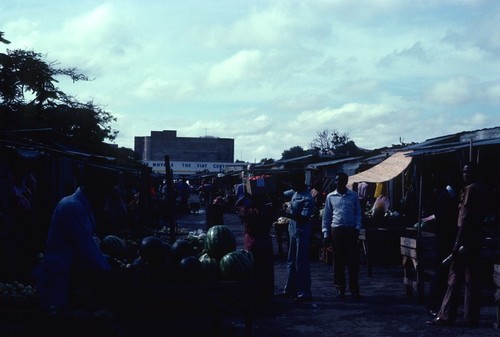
(379, 238)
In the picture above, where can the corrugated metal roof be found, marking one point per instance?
(451, 147)
(332, 162)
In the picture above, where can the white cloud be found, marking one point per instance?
(451, 92)
(270, 74)
(492, 93)
(163, 89)
(238, 67)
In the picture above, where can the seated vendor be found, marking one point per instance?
(381, 204)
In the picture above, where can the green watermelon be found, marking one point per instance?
(247, 253)
(219, 241)
(182, 248)
(236, 266)
(210, 269)
(113, 246)
(190, 268)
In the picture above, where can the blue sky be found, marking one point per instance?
(271, 74)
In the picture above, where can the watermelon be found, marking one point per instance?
(113, 246)
(219, 241)
(182, 248)
(152, 250)
(210, 269)
(197, 244)
(247, 253)
(190, 268)
(236, 266)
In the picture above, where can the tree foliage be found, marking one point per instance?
(266, 161)
(30, 98)
(334, 143)
(293, 152)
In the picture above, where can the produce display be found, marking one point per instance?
(236, 266)
(195, 257)
(17, 289)
(219, 241)
(113, 246)
(204, 269)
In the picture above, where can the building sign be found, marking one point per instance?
(187, 167)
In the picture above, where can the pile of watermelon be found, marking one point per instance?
(207, 256)
(220, 246)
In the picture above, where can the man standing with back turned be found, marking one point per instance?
(466, 254)
(342, 223)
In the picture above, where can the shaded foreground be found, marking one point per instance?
(383, 310)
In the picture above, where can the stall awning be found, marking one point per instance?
(385, 171)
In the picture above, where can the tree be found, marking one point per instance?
(266, 161)
(333, 143)
(293, 152)
(29, 98)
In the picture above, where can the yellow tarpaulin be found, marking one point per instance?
(385, 171)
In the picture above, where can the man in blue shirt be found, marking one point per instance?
(299, 210)
(70, 244)
(342, 223)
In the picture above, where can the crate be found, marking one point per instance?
(259, 185)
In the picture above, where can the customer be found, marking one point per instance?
(299, 210)
(466, 263)
(257, 215)
(70, 245)
(342, 222)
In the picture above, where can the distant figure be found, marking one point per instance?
(341, 224)
(363, 195)
(317, 194)
(466, 261)
(239, 191)
(183, 190)
(381, 204)
(115, 213)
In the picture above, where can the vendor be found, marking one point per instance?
(382, 203)
(71, 245)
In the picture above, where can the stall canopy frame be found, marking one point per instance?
(387, 170)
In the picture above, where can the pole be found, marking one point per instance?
(170, 202)
(419, 207)
(470, 150)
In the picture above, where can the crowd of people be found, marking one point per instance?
(458, 229)
(71, 243)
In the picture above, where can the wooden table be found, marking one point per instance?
(419, 260)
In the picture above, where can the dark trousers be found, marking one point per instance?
(465, 269)
(345, 255)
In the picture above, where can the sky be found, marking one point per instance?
(273, 74)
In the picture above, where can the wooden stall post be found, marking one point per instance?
(171, 217)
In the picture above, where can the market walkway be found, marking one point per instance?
(383, 310)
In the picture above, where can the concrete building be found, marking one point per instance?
(188, 155)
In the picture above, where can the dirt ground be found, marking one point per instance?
(384, 308)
